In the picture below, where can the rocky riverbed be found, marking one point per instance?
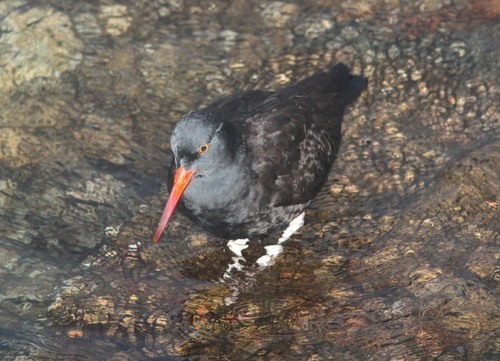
(398, 259)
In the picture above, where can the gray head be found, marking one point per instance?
(204, 148)
(202, 143)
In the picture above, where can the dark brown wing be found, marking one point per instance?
(291, 154)
(294, 136)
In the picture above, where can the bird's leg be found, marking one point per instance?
(236, 246)
(274, 250)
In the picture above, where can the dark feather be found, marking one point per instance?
(273, 152)
(294, 135)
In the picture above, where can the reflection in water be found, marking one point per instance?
(397, 259)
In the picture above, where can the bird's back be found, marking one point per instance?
(284, 143)
(294, 135)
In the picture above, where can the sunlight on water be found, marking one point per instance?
(397, 258)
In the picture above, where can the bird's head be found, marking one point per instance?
(201, 147)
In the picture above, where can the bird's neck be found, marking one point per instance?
(219, 189)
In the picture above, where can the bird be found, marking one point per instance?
(249, 164)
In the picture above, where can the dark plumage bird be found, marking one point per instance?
(249, 164)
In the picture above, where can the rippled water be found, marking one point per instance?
(398, 259)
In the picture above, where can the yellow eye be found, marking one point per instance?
(203, 148)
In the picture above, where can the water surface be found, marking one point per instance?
(398, 257)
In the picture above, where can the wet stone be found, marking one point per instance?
(314, 27)
(278, 14)
(393, 52)
(398, 257)
(349, 33)
(42, 28)
(116, 19)
(9, 260)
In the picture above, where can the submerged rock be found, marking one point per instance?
(398, 257)
(35, 43)
(410, 273)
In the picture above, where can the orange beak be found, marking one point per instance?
(182, 178)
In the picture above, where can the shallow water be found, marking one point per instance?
(398, 259)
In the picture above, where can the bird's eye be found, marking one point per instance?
(203, 149)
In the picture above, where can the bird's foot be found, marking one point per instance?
(236, 246)
(271, 253)
(293, 227)
(274, 250)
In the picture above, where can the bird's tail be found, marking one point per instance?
(349, 85)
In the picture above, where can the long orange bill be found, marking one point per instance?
(182, 178)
